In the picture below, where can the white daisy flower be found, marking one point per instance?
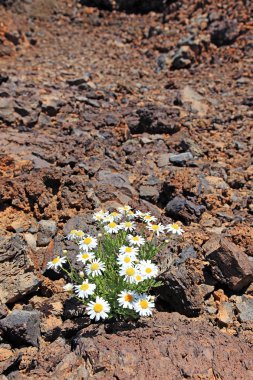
(112, 228)
(128, 271)
(126, 259)
(56, 263)
(85, 256)
(99, 309)
(175, 229)
(124, 209)
(126, 299)
(147, 269)
(139, 214)
(156, 228)
(128, 226)
(85, 290)
(68, 287)
(107, 219)
(130, 214)
(129, 250)
(138, 278)
(95, 268)
(99, 215)
(135, 240)
(88, 243)
(148, 218)
(115, 216)
(143, 305)
(75, 235)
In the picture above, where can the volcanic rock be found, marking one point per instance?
(229, 264)
(15, 260)
(181, 209)
(22, 327)
(185, 347)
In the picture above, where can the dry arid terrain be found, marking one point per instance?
(104, 103)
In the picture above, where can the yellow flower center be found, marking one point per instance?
(94, 266)
(148, 217)
(148, 270)
(56, 260)
(130, 272)
(175, 226)
(115, 214)
(73, 232)
(85, 256)
(84, 286)
(136, 238)
(128, 249)
(138, 277)
(112, 225)
(128, 298)
(127, 259)
(128, 224)
(144, 304)
(98, 307)
(155, 227)
(87, 240)
(79, 233)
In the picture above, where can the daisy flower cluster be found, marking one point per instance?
(116, 271)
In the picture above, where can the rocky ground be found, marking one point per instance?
(102, 107)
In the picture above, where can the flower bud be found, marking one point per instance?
(64, 251)
(81, 274)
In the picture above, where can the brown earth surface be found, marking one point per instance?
(101, 108)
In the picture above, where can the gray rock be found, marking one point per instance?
(22, 327)
(181, 158)
(245, 309)
(47, 230)
(149, 192)
(229, 264)
(15, 261)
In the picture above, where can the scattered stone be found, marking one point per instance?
(224, 32)
(186, 211)
(225, 314)
(181, 159)
(197, 101)
(229, 264)
(244, 307)
(153, 119)
(47, 230)
(183, 58)
(8, 360)
(22, 327)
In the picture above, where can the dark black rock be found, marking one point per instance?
(153, 119)
(186, 211)
(229, 264)
(224, 32)
(181, 290)
(22, 327)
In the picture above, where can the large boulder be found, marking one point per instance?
(167, 346)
